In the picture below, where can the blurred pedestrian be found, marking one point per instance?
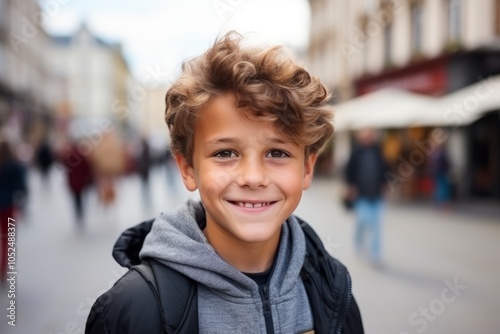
(171, 171)
(12, 193)
(44, 159)
(366, 185)
(79, 174)
(108, 160)
(144, 166)
(439, 168)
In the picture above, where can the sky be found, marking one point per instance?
(159, 34)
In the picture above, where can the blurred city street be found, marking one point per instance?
(439, 273)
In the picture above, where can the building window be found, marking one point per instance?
(497, 17)
(366, 57)
(454, 20)
(388, 44)
(416, 28)
(3, 15)
(370, 5)
(363, 21)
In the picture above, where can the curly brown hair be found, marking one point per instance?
(267, 84)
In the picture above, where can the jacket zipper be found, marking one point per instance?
(266, 306)
(347, 304)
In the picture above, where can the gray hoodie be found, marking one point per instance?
(228, 300)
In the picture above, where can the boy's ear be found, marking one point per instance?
(187, 172)
(309, 170)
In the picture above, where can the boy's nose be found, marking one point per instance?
(252, 174)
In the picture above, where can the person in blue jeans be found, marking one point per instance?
(439, 169)
(366, 185)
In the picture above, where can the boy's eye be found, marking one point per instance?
(225, 154)
(277, 154)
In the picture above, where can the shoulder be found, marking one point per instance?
(316, 254)
(128, 307)
(328, 285)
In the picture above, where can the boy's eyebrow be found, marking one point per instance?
(230, 140)
(222, 140)
(275, 140)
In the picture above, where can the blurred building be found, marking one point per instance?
(152, 122)
(95, 80)
(433, 47)
(26, 102)
(153, 111)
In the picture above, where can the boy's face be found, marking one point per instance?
(249, 177)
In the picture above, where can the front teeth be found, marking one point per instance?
(250, 205)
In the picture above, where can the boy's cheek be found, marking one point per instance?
(214, 181)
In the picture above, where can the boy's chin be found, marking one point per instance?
(258, 234)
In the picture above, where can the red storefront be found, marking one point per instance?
(428, 78)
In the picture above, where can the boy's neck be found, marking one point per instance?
(245, 256)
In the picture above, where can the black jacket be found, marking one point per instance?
(366, 170)
(131, 307)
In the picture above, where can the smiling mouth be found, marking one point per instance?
(251, 205)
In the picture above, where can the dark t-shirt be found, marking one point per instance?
(260, 278)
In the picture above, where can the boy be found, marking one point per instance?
(246, 126)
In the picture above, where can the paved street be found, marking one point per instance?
(440, 271)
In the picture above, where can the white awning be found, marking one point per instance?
(465, 105)
(385, 108)
(395, 108)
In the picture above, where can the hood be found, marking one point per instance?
(176, 240)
